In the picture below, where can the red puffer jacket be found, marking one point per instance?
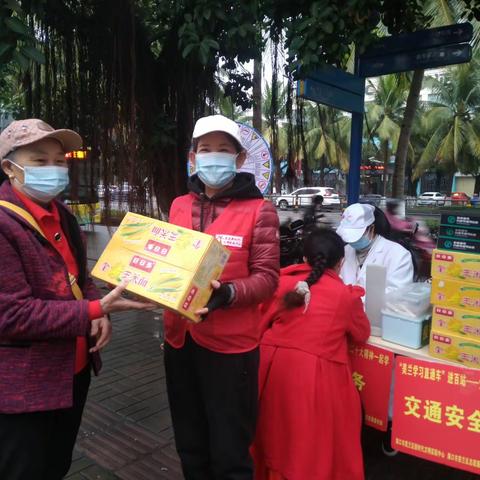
(264, 261)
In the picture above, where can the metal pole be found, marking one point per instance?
(356, 140)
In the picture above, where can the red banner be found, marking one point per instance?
(437, 413)
(372, 374)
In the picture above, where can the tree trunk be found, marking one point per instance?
(405, 132)
(278, 176)
(386, 161)
(257, 94)
(307, 173)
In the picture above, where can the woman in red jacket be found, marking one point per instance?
(309, 412)
(212, 366)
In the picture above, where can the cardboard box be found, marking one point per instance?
(455, 294)
(460, 219)
(456, 266)
(460, 233)
(455, 348)
(459, 244)
(456, 320)
(170, 265)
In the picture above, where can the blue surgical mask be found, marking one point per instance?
(362, 244)
(216, 169)
(44, 183)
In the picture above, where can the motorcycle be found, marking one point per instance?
(291, 242)
(417, 240)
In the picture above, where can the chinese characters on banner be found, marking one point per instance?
(372, 369)
(436, 413)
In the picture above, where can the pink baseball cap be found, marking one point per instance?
(355, 220)
(25, 132)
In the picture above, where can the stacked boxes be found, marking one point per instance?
(455, 332)
(170, 265)
(460, 233)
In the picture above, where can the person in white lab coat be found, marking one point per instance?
(365, 247)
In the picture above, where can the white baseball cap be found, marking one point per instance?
(355, 220)
(217, 123)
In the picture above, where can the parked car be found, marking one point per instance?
(302, 197)
(431, 198)
(460, 198)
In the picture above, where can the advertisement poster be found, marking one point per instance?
(372, 369)
(436, 413)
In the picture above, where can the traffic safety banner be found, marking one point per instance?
(436, 413)
(372, 369)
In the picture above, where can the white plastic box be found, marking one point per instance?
(407, 331)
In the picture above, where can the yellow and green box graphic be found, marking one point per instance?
(167, 264)
(455, 348)
(456, 266)
(456, 320)
(455, 294)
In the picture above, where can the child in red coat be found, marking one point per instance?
(310, 415)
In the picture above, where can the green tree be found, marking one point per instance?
(17, 40)
(327, 139)
(133, 75)
(439, 12)
(453, 123)
(384, 116)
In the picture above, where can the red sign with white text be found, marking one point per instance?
(157, 248)
(372, 369)
(436, 413)
(142, 263)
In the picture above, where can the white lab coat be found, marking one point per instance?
(393, 256)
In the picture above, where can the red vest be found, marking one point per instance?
(230, 330)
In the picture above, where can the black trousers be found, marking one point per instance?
(39, 445)
(213, 401)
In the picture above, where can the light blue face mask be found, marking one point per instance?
(216, 169)
(44, 183)
(361, 244)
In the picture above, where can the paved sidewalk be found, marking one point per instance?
(126, 431)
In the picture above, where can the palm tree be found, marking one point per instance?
(327, 139)
(384, 115)
(453, 123)
(442, 12)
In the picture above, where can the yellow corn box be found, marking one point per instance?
(465, 323)
(456, 266)
(455, 347)
(170, 265)
(455, 294)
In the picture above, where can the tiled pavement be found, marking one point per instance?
(126, 431)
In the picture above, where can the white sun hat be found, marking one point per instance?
(217, 123)
(355, 220)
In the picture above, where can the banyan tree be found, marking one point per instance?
(132, 75)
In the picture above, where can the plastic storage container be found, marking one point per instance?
(412, 301)
(407, 331)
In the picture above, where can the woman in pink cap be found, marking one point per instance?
(52, 319)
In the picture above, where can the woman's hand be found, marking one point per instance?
(101, 330)
(114, 302)
(221, 297)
